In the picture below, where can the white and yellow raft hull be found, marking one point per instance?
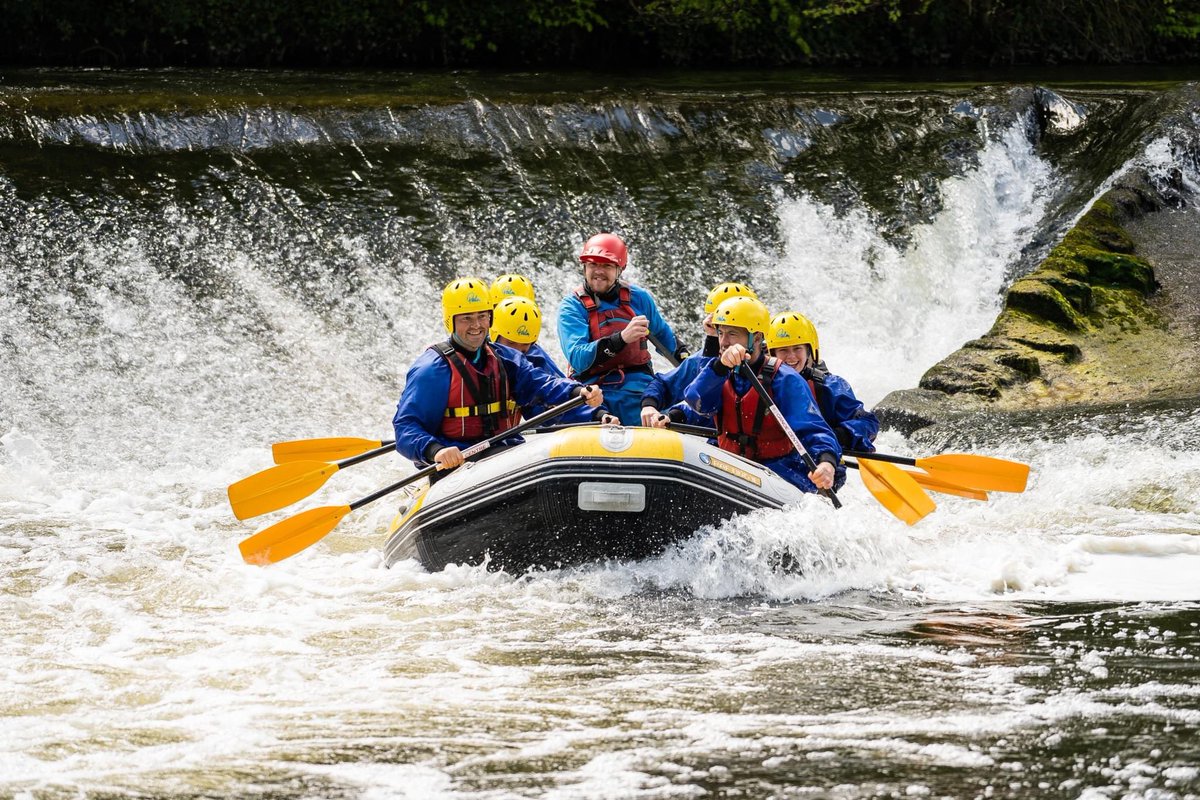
(580, 495)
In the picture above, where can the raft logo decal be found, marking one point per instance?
(731, 469)
(523, 330)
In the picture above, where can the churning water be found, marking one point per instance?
(190, 271)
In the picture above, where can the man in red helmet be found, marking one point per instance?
(605, 325)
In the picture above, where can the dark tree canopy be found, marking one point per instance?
(606, 34)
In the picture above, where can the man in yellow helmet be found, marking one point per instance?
(662, 401)
(464, 390)
(792, 338)
(744, 423)
(517, 323)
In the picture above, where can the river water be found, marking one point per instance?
(195, 265)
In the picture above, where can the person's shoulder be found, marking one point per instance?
(570, 300)
(428, 365)
(638, 291)
(784, 372)
(537, 351)
(836, 382)
(506, 352)
(428, 356)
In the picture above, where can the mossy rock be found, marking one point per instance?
(1082, 328)
(1052, 345)
(1117, 269)
(1023, 363)
(1099, 228)
(1022, 329)
(980, 373)
(1124, 309)
(1077, 293)
(1039, 299)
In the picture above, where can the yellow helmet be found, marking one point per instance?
(789, 329)
(517, 319)
(724, 291)
(511, 286)
(743, 312)
(464, 296)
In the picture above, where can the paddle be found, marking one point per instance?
(933, 484)
(787, 429)
(330, 449)
(290, 536)
(984, 473)
(280, 486)
(896, 492)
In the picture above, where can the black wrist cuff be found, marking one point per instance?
(611, 345)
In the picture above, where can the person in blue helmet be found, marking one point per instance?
(517, 323)
(792, 338)
(744, 423)
(605, 326)
(465, 389)
(662, 402)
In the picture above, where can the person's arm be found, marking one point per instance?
(421, 408)
(532, 385)
(661, 334)
(682, 413)
(796, 403)
(667, 388)
(704, 393)
(538, 356)
(854, 426)
(575, 337)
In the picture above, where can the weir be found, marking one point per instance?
(191, 270)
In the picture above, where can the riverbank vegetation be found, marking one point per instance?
(600, 34)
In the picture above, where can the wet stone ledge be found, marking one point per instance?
(1110, 316)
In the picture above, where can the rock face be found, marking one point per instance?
(1110, 316)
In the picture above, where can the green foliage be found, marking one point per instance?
(586, 33)
(1179, 23)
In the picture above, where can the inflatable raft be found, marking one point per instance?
(580, 495)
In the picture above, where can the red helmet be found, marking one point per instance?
(605, 247)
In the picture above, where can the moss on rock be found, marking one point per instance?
(1083, 328)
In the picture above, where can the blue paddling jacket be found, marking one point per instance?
(666, 391)
(542, 360)
(854, 426)
(706, 394)
(423, 402)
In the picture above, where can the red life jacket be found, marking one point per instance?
(479, 403)
(606, 322)
(745, 423)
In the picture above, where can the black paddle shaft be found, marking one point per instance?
(908, 462)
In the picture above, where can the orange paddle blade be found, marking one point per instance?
(896, 490)
(277, 487)
(286, 538)
(945, 487)
(978, 472)
(331, 449)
